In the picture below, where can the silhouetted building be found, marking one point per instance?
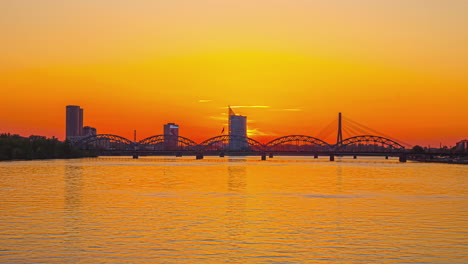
(89, 131)
(237, 131)
(74, 121)
(171, 136)
(462, 145)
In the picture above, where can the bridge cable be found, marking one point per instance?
(328, 130)
(347, 132)
(379, 133)
(366, 132)
(354, 131)
(358, 131)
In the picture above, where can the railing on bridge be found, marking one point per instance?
(291, 145)
(368, 144)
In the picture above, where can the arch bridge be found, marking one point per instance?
(297, 143)
(167, 143)
(368, 143)
(108, 144)
(104, 141)
(231, 143)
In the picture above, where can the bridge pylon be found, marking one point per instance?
(339, 136)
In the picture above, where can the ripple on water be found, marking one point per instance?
(240, 210)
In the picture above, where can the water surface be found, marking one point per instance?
(232, 210)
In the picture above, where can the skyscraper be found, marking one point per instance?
(237, 131)
(171, 136)
(74, 121)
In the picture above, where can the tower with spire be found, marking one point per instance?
(237, 131)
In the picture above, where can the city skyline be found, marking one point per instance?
(237, 127)
(397, 67)
(328, 134)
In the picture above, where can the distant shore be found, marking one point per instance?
(57, 158)
(14, 147)
(442, 160)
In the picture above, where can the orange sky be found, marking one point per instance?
(397, 66)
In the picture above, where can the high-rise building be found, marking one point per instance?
(237, 131)
(74, 121)
(81, 122)
(462, 146)
(89, 131)
(171, 136)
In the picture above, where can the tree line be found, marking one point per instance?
(15, 147)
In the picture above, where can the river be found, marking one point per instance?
(233, 210)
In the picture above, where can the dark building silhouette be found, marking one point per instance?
(462, 146)
(74, 121)
(238, 131)
(89, 131)
(171, 136)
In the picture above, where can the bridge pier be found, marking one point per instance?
(271, 155)
(402, 158)
(332, 157)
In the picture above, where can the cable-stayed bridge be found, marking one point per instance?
(353, 139)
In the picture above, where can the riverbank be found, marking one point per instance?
(15, 147)
(443, 160)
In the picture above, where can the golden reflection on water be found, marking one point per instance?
(232, 210)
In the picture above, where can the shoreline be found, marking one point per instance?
(445, 161)
(48, 158)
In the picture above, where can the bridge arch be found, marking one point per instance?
(105, 142)
(165, 142)
(231, 143)
(302, 143)
(368, 143)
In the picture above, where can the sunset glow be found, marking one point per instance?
(399, 67)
